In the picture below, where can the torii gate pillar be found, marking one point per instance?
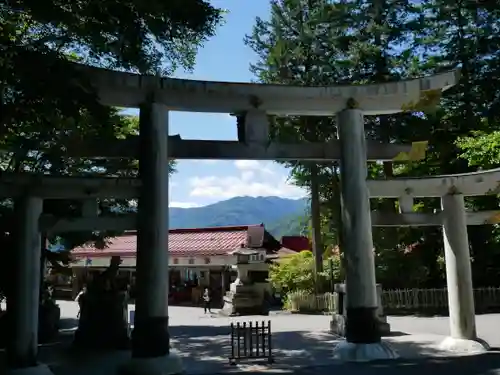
(363, 336)
(23, 302)
(463, 337)
(151, 352)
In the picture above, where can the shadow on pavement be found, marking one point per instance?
(396, 334)
(68, 323)
(488, 363)
(484, 364)
(206, 349)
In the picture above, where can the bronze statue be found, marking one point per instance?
(103, 316)
(106, 280)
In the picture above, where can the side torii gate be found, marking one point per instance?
(454, 218)
(155, 97)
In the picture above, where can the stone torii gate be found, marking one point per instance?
(155, 97)
(454, 219)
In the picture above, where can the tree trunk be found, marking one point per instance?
(340, 228)
(316, 221)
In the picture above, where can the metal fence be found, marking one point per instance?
(435, 300)
(251, 341)
(398, 301)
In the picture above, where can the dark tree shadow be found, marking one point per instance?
(68, 323)
(396, 334)
(206, 349)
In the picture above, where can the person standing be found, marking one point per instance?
(206, 300)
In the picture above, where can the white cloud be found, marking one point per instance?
(254, 165)
(183, 204)
(247, 176)
(247, 164)
(254, 179)
(228, 187)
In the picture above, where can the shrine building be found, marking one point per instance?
(198, 258)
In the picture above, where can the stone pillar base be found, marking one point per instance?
(170, 364)
(337, 326)
(40, 369)
(352, 352)
(464, 346)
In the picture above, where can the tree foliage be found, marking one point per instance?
(47, 109)
(481, 150)
(47, 105)
(296, 272)
(133, 35)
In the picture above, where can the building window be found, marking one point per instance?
(176, 260)
(257, 258)
(207, 260)
(191, 261)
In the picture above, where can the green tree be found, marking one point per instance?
(47, 105)
(481, 149)
(297, 47)
(361, 41)
(295, 272)
(325, 43)
(462, 35)
(49, 108)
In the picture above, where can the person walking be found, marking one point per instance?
(79, 299)
(206, 300)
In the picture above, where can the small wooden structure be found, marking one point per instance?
(251, 341)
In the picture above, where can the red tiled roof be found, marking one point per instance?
(182, 242)
(297, 243)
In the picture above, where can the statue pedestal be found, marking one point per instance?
(244, 298)
(48, 322)
(103, 322)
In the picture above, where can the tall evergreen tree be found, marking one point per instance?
(465, 34)
(325, 43)
(295, 48)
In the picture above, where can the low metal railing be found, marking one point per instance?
(251, 341)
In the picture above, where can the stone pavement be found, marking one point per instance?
(301, 344)
(484, 364)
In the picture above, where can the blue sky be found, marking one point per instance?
(224, 58)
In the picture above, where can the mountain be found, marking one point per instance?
(243, 211)
(291, 225)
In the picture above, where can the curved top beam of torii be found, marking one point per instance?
(121, 89)
(468, 184)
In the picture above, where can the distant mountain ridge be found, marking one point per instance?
(278, 214)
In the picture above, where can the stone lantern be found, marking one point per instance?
(244, 298)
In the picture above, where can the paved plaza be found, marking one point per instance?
(301, 345)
